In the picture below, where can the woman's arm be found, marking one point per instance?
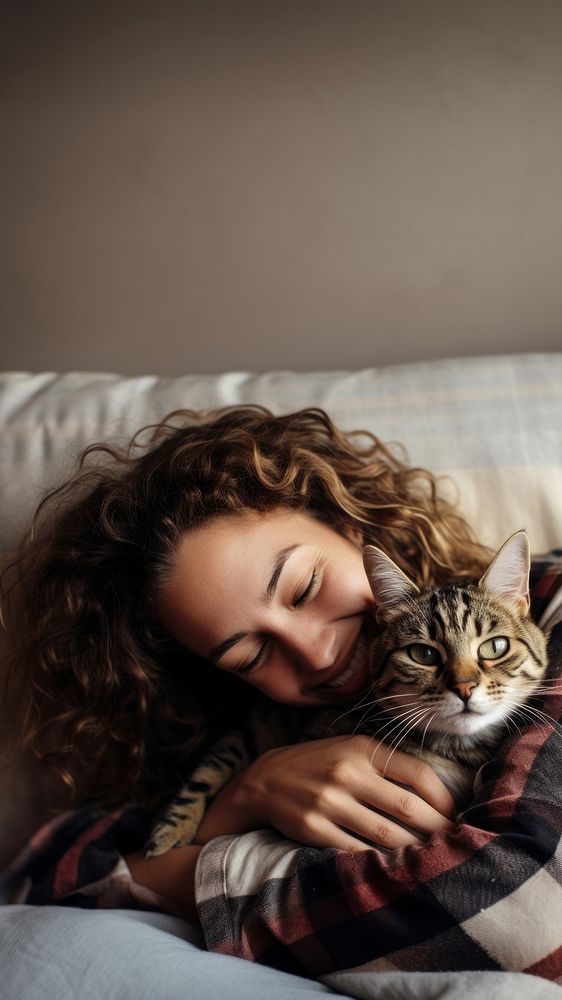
(331, 793)
(335, 777)
(171, 875)
(313, 792)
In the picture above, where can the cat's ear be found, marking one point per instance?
(507, 575)
(389, 584)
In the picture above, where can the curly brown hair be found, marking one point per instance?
(104, 690)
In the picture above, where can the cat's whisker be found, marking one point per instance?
(511, 720)
(402, 721)
(535, 708)
(377, 701)
(369, 724)
(398, 739)
(362, 703)
(542, 717)
(350, 712)
(384, 737)
(429, 721)
(415, 720)
(406, 694)
(371, 704)
(554, 732)
(400, 718)
(368, 720)
(365, 716)
(383, 715)
(538, 712)
(396, 743)
(364, 721)
(531, 715)
(393, 714)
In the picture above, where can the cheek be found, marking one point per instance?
(277, 682)
(348, 585)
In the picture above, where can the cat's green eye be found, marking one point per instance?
(492, 649)
(426, 656)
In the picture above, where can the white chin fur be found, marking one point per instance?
(466, 724)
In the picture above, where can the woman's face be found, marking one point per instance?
(280, 599)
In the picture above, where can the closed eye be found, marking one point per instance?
(248, 668)
(309, 592)
(307, 595)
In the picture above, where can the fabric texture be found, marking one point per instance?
(485, 897)
(493, 423)
(126, 955)
(130, 955)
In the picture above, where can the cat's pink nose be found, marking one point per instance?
(464, 689)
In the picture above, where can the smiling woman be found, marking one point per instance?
(290, 595)
(164, 594)
(235, 537)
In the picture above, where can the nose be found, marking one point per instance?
(463, 689)
(313, 645)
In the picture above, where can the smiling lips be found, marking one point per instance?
(355, 664)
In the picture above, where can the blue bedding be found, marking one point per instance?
(55, 953)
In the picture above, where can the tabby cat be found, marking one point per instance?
(451, 664)
(449, 667)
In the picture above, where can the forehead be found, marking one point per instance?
(222, 567)
(233, 537)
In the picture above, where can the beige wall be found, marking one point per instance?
(222, 184)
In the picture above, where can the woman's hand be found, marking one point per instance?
(331, 792)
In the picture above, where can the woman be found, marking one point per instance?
(173, 589)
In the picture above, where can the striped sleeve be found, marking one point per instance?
(485, 896)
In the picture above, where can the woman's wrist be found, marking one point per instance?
(171, 875)
(235, 809)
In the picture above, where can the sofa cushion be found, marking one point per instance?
(494, 424)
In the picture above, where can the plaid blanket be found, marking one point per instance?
(486, 896)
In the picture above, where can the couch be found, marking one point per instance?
(492, 426)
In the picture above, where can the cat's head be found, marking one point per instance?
(459, 657)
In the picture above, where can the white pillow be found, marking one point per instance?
(494, 424)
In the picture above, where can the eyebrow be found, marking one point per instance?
(281, 558)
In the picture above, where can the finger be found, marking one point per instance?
(416, 774)
(327, 834)
(403, 804)
(378, 829)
